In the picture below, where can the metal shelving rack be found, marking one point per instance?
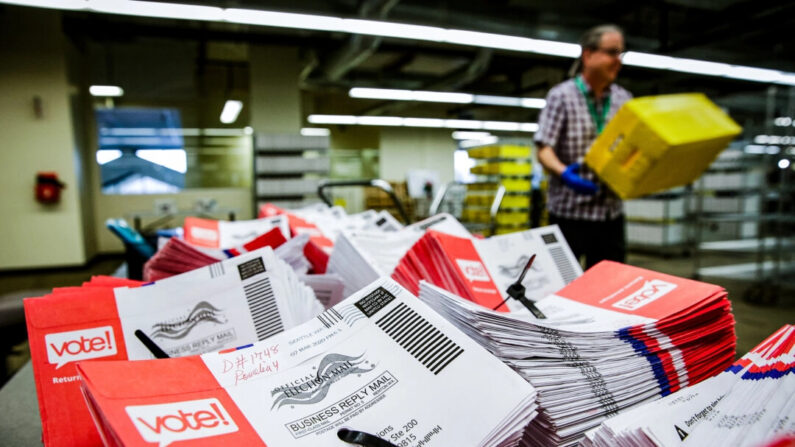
(767, 257)
(288, 168)
(660, 222)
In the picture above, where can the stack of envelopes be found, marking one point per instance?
(177, 255)
(482, 270)
(357, 372)
(615, 337)
(752, 403)
(363, 256)
(226, 304)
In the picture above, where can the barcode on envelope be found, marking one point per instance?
(330, 318)
(563, 264)
(264, 311)
(419, 338)
(216, 270)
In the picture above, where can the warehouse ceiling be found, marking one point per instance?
(172, 60)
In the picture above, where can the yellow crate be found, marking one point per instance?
(500, 151)
(502, 168)
(659, 142)
(513, 218)
(516, 185)
(515, 202)
(483, 186)
(479, 200)
(475, 215)
(507, 201)
(510, 184)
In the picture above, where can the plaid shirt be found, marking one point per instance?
(568, 128)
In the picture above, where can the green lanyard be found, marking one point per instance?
(598, 120)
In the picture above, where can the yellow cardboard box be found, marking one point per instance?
(659, 142)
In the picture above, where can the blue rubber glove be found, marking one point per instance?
(573, 180)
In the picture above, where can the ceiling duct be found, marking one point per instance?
(358, 47)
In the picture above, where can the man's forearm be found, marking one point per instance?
(550, 161)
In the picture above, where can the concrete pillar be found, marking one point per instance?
(275, 96)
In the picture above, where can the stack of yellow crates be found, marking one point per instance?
(506, 165)
(656, 143)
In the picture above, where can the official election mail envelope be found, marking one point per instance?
(615, 337)
(751, 403)
(228, 234)
(223, 305)
(380, 362)
(481, 270)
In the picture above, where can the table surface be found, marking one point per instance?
(20, 423)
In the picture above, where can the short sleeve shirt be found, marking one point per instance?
(568, 128)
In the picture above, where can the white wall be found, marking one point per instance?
(32, 64)
(416, 148)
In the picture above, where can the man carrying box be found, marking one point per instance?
(589, 214)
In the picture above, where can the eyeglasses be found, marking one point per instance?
(614, 52)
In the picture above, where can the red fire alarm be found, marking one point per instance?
(48, 187)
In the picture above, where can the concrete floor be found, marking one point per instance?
(754, 321)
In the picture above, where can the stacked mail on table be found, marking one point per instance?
(362, 256)
(752, 403)
(481, 270)
(228, 239)
(334, 220)
(324, 223)
(223, 234)
(226, 304)
(177, 256)
(358, 368)
(615, 337)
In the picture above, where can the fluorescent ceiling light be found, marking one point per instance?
(410, 95)
(463, 124)
(774, 139)
(447, 97)
(406, 31)
(783, 121)
(52, 4)
(754, 149)
(459, 98)
(157, 9)
(381, 93)
(398, 30)
(500, 125)
(223, 132)
(231, 110)
(332, 119)
(105, 90)
(534, 103)
(498, 100)
(422, 122)
(465, 135)
(315, 132)
(283, 19)
(379, 121)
